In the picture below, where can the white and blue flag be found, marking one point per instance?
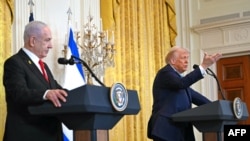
(73, 77)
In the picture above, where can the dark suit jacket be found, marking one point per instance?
(172, 94)
(25, 86)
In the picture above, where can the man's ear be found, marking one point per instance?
(172, 61)
(32, 41)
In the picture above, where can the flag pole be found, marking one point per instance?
(31, 4)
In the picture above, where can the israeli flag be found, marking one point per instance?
(73, 77)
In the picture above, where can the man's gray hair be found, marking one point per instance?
(33, 28)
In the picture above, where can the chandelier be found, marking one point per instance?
(96, 49)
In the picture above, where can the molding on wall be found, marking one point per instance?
(203, 27)
(228, 17)
(231, 37)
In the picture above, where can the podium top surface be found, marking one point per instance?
(88, 99)
(220, 110)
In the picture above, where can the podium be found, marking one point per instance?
(89, 108)
(211, 117)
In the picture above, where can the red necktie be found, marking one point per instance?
(43, 70)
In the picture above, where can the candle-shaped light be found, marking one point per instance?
(113, 37)
(66, 39)
(77, 28)
(89, 9)
(89, 17)
(107, 34)
(101, 24)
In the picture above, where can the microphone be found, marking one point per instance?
(195, 66)
(62, 61)
(208, 71)
(65, 61)
(211, 73)
(75, 60)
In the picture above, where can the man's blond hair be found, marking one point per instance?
(172, 53)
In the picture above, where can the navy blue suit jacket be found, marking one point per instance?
(25, 86)
(172, 94)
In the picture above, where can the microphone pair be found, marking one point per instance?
(65, 61)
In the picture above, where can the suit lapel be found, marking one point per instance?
(33, 68)
(186, 90)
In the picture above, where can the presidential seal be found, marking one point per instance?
(119, 97)
(237, 108)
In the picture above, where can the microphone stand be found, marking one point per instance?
(88, 68)
(210, 72)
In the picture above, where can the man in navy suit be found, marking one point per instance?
(26, 86)
(172, 94)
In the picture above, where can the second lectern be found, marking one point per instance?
(89, 107)
(213, 116)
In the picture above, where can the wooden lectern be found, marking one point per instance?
(89, 108)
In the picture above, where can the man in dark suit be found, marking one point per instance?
(172, 94)
(26, 86)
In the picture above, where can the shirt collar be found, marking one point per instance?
(181, 74)
(32, 56)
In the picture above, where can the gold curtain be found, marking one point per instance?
(144, 31)
(6, 19)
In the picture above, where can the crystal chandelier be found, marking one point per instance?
(96, 49)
